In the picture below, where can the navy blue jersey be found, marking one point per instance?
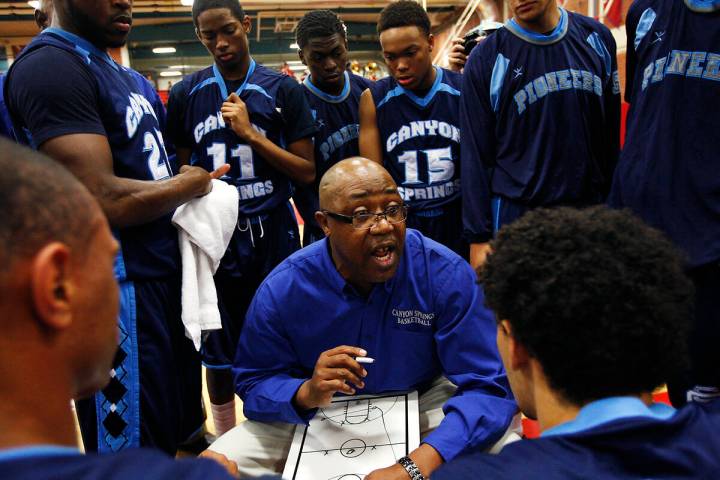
(89, 93)
(540, 119)
(62, 463)
(5, 122)
(669, 168)
(336, 118)
(420, 138)
(685, 446)
(277, 108)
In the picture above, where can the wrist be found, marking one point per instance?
(411, 468)
(301, 399)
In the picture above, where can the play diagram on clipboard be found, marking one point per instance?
(354, 436)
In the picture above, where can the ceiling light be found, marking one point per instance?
(294, 46)
(164, 50)
(171, 73)
(187, 3)
(35, 4)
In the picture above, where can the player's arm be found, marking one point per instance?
(369, 140)
(631, 53)
(611, 120)
(175, 129)
(477, 156)
(297, 162)
(125, 201)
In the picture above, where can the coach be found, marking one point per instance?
(368, 289)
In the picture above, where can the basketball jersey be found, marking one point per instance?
(420, 138)
(6, 129)
(261, 187)
(134, 133)
(669, 170)
(336, 117)
(541, 116)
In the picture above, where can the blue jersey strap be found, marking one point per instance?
(221, 81)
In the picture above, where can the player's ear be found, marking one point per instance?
(321, 219)
(247, 24)
(197, 34)
(52, 286)
(301, 56)
(431, 41)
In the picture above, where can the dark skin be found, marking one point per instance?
(350, 186)
(326, 58)
(124, 201)
(225, 37)
(408, 54)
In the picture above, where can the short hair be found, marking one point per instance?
(319, 23)
(41, 203)
(596, 296)
(199, 6)
(403, 13)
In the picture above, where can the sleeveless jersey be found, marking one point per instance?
(669, 168)
(420, 138)
(134, 134)
(261, 187)
(336, 117)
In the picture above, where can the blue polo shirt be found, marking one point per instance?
(426, 321)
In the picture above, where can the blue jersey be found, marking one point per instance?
(668, 170)
(420, 138)
(62, 463)
(195, 122)
(540, 119)
(642, 443)
(414, 325)
(90, 93)
(336, 118)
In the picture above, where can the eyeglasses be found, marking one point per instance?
(367, 220)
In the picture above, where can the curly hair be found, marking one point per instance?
(319, 23)
(403, 13)
(199, 6)
(596, 296)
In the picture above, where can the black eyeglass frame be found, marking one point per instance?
(349, 218)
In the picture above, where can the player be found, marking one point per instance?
(334, 95)
(592, 308)
(409, 122)
(257, 120)
(540, 118)
(668, 168)
(59, 305)
(91, 115)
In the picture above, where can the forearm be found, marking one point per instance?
(294, 166)
(127, 202)
(427, 459)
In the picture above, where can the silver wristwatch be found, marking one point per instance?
(411, 468)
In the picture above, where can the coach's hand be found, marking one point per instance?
(333, 369)
(200, 179)
(235, 113)
(478, 254)
(229, 465)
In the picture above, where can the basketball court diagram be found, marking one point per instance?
(354, 436)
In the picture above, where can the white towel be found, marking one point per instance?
(205, 226)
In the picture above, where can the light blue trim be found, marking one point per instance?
(20, 453)
(217, 367)
(203, 84)
(608, 410)
(538, 38)
(599, 46)
(326, 96)
(257, 88)
(643, 27)
(703, 6)
(437, 86)
(82, 46)
(221, 81)
(495, 205)
(497, 79)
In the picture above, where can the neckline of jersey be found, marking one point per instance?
(557, 34)
(326, 96)
(82, 44)
(221, 81)
(703, 6)
(41, 450)
(423, 101)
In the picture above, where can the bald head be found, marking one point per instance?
(41, 203)
(353, 177)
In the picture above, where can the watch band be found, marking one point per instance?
(410, 467)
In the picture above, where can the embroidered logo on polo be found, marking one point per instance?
(413, 317)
